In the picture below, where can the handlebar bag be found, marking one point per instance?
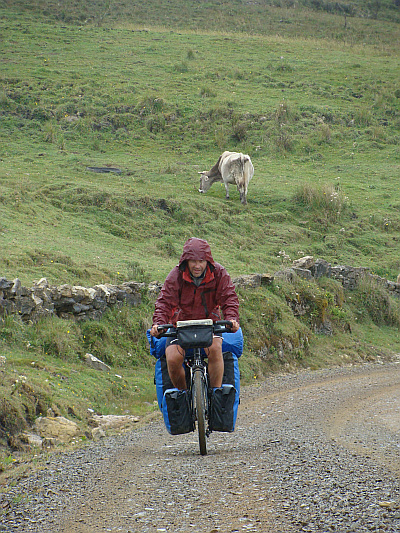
(199, 336)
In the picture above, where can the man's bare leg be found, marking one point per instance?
(215, 362)
(174, 355)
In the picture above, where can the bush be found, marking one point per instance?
(373, 298)
(325, 201)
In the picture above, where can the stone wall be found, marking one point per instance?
(82, 303)
(67, 301)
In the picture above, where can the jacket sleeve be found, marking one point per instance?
(168, 299)
(227, 298)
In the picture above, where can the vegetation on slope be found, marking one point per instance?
(158, 90)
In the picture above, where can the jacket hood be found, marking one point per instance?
(196, 249)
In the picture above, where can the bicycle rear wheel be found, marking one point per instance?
(199, 400)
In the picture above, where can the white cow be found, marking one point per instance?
(231, 167)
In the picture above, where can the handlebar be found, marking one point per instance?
(222, 326)
(219, 326)
(163, 329)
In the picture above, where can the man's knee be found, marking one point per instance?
(174, 356)
(215, 350)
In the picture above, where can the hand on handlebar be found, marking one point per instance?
(229, 326)
(235, 326)
(154, 332)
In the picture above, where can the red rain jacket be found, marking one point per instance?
(180, 299)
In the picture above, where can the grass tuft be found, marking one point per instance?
(323, 201)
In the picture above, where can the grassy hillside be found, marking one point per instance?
(161, 106)
(159, 90)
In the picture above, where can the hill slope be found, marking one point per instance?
(158, 90)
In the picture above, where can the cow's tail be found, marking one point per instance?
(247, 171)
(247, 166)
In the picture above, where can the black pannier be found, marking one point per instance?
(225, 400)
(222, 412)
(177, 412)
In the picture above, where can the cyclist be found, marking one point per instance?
(196, 288)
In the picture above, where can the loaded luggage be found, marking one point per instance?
(175, 405)
(224, 402)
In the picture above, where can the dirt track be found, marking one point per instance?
(314, 451)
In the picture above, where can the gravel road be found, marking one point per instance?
(312, 452)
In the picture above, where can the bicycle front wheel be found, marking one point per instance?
(200, 398)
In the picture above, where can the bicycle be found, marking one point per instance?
(195, 335)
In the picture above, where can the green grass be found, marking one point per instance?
(301, 126)
(159, 90)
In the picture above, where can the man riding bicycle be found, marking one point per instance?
(196, 288)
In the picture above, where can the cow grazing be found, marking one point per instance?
(231, 167)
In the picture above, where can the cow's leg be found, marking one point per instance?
(227, 191)
(243, 194)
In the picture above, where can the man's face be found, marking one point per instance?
(196, 268)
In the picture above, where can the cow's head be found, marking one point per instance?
(205, 181)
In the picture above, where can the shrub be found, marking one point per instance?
(284, 140)
(155, 124)
(323, 133)
(181, 67)
(325, 201)
(282, 113)
(206, 92)
(373, 297)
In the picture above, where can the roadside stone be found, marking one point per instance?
(303, 273)
(41, 284)
(116, 422)
(321, 268)
(267, 279)
(97, 433)
(17, 287)
(154, 288)
(59, 428)
(247, 281)
(95, 363)
(287, 274)
(32, 439)
(90, 303)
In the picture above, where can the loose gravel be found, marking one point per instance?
(312, 452)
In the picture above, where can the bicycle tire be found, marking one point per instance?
(200, 403)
